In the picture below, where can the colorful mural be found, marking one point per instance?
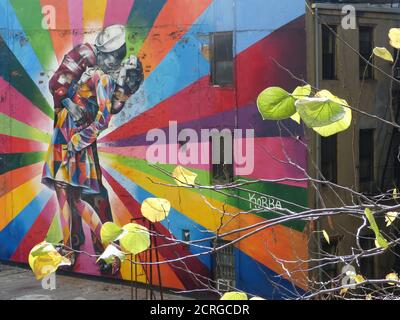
(170, 38)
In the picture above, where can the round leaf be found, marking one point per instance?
(183, 176)
(392, 276)
(383, 53)
(155, 209)
(111, 252)
(44, 260)
(394, 36)
(276, 104)
(338, 126)
(302, 92)
(135, 238)
(319, 112)
(234, 296)
(110, 232)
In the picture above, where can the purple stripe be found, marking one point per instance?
(118, 12)
(75, 8)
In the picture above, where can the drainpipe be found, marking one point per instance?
(317, 137)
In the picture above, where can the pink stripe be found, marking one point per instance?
(272, 156)
(18, 145)
(117, 12)
(139, 152)
(23, 109)
(75, 8)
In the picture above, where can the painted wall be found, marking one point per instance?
(170, 37)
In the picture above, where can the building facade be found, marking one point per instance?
(364, 157)
(205, 62)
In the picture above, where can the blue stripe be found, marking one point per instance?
(176, 221)
(15, 231)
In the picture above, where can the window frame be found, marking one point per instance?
(213, 62)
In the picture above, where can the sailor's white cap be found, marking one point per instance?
(111, 38)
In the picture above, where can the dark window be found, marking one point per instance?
(222, 158)
(329, 158)
(329, 271)
(367, 264)
(366, 158)
(224, 266)
(186, 236)
(328, 52)
(222, 58)
(397, 68)
(366, 38)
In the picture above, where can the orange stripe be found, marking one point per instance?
(175, 19)
(62, 36)
(12, 179)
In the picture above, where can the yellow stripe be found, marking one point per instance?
(93, 17)
(282, 241)
(13, 202)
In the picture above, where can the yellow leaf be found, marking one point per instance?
(368, 297)
(394, 193)
(183, 176)
(296, 117)
(338, 126)
(302, 92)
(343, 291)
(326, 236)
(390, 217)
(44, 260)
(109, 232)
(257, 298)
(383, 53)
(155, 209)
(234, 296)
(359, 278)
(392, 276)
(394, 36)
(135, 238)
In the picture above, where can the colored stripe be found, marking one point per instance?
(20, 79)
(30, 16)
(20, 108)
(17, 160)
(37, 232)
(174, 20)
(61, 36)
(140, 21)
(93, 17)
(24, 193)
(12, 127)
(12, 179)
(13, 234)
(133, 206)
(279, 238)
(75, 10)
(118, 12)
(17, 145)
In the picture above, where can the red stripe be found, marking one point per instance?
(37, 233)
(168, 253)
(10, 144)
(257, 71)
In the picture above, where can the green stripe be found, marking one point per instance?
(14, 128)
(141, 20)
(292, 194)
(30, 16)
(18, 160)
(14, 73)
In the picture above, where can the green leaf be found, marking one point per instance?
(383, 53)
(275, 103)
(338, 126)
(110, 232)
(380, 240)
(319, 112)
(296, 118)
(135, 238)
(234, 296)
(302, 92)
